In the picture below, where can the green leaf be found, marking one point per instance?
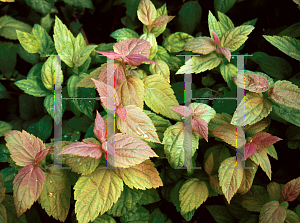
(138, 214)
(82, 55)
(286, 44)
(28, 57)
(200, 64)
(161, 68)
(8, 57)
(189, 195)
(124, 34)
(291, 115)
(214, 25)
(261, 159)
(272, 212)
(33, 86)
(46, 45)
(174, 42)
(162, 54)
(251, 22)
(42, 6)
(11, 211)
(220, 213)
(149, 196)
(46, 22)
(256, 108)
(132, 6)
(255, 198)
(104, 219)
(228, 71)
(8, 175)
(126, 202)
(9, 26)
(4, 154)
(82, 165)
(95, 194)
(80, 123)
(157, 217)
(234, 38)
(49, 105)
(272, 152)
(225, 22)
(80, 3)
(275, 191)
(291, 217)
(43, 128)
(56, 194)
(150, 37)
(174, 147)
(4, 127)
(223, 5)
(28, 41)
(276, 67)
(48, 73)
(3, 214)
(291, 31)
(157, 31)
(189, 17)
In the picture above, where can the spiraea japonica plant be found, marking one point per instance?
(149, 145)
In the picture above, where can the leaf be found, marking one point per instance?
(256, 108)
(275, 191)
(161, 68)
(189, 17)
(261, 159)
(100, 128)
(234, 38)
(82, 55)
(263, 140)
(137, 123)
(220, 213)
(2, 189)
(161, 21)
(200, 126)
(257, 127)
(104, 219)
(209, 164)
(216, 38)
(84, 149)
(223, 5)
(230, 179)
(291, 115)
(132, 92)
(28, 41)
(272, 152)
(272, 212)
(228, 71)
(49, 105)
(96, 193)
(46, 22)
(23, 147)
(174, 43)
(149, 196)
(4, 127)
(219, 120)
(286, 44)
(183, 110)
(9, 26)
(129, 151)
(192, 194)
(162, 11)
(28, 185)
(225, 52)
(146, 12)
(48, 73)
(291, 217)
(202, 45)
(124, 34)
(291, 190)
(225, 22)
(200, 64)
(248, 177)
(159, 96)
(287, 94)
(126, 202)
(3, 213)
(150, 37)
(250, 149)
(43, 6)
(80, 3)
(81, 165)
(137, 214)
(174, 146)
(214, 25)
(292, 31)
(229, 134)
(56, 194)
(32, 86)
(11, 211)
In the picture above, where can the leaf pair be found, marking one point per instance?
(28, 151)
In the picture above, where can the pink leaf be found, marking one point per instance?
(226, 52)
(133, 46)
(122, 112)
(118, 72)
(84, 149)
(182, 110)
(28, 185)
(102, 90)
(200, 126)
(42, 155)
(263, 140)
(109, 151)
(23, 147)
(100, 127)
(110, 55)
(136, 60)
(216, 38)
(250, 149)
(162, 20)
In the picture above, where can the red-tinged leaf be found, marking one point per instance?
(2, 189)
(251, 82)
(23, 147)
(28, 185)
(287, 94)
(42, 155)
(200, 126)
(133, 46)
(257, 127)
(250, 149)
(216, 38)
(110, 151)
(100, 127)
(182, 110)
(130, 151)
(226, 52)
(118, 72)
(84, 149)
(201, 45)
(122, 113)
(229, 134)
(136, 60)
(162, 20)
(209, 164)
(102, 90)
(263, 140)
(272, 212)
(110, 55)
(146, 12)
(291, 190)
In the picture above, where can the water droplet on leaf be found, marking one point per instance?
(78, 159)
(50, 194)
(50, 181)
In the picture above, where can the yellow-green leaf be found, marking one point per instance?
(228, 71)
(81, 165)
(230, 179)
(9, 26)
(160, 68)
(225, 22)
(248, 177)
(150, 37)
(146, 12)
(214, 25)
(192, 194)
(48, 73)
(175, 42)
(28, 41)
(261, 159)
